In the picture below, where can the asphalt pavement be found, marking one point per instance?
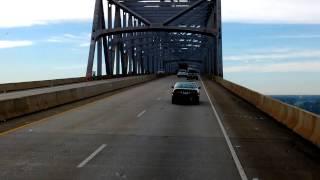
(135, 134)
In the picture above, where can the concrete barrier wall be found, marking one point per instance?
(38, 84)
(305, 123)
(16, 107)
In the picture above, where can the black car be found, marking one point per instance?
(186, 92)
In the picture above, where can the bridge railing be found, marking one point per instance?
(17, 105)
(8, 87)
(19, 86)
(304, 123)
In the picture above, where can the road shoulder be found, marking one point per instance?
(266, 149)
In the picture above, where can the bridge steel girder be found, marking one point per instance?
(138, 40)
(126, 9)
(116, 31)
(181, 13)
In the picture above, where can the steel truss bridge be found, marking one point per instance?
(144, 36)
(124, 125)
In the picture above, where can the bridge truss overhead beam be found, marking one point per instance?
(135, 41)
(168, 21)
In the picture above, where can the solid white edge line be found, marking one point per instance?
(140, 114)
(233, 152)
(84, 162)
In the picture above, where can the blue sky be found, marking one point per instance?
(274, 53)
(273, 58)
(56, 51)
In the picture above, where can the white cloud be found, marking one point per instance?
(81, 40)
(72, 67)
(85, 44)
(311, 66)
(271, 11)
(276, 55)
(298, 36)
(14, 44)
(19, 13)
(274, 60)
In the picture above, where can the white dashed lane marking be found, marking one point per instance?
(97, 151)
(141, 114)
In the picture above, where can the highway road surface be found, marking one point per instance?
(135, 134)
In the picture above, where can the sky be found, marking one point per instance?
(271, 46)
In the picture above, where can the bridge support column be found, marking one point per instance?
(95, 27)
(99, 58)
(117, 24)
(110, 41)
(218, 40)
(101, 42)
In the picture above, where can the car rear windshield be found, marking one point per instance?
(186, 85)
